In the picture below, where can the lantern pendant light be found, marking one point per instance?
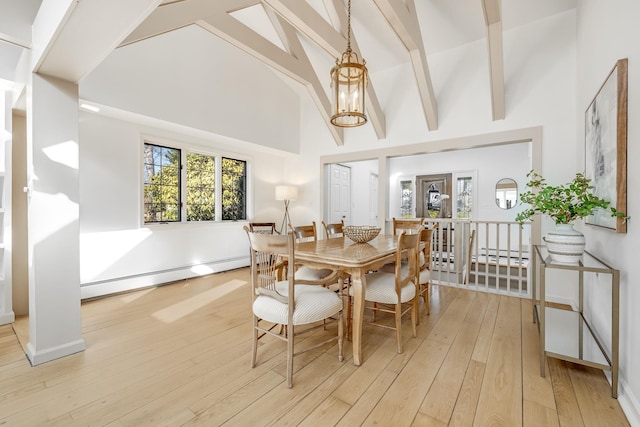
(349, 79)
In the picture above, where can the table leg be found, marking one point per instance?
(358, 286)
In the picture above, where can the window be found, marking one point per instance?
(201, 171)
(406, 199)
(161, 184)
(234, 174)
(176, 194)
(464, 202)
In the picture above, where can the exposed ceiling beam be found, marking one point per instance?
(69, 48)
(297, 67)
(306, 20)
(15, 41)
(404, 21)
(291, 42)
(493, 20)
(173, 15)
(235, 32)
(216, 20)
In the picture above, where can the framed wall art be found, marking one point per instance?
(606, 147)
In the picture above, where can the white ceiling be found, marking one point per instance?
(443, 25)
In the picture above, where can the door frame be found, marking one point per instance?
(423, 182)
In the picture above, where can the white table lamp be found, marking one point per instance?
(286, 193)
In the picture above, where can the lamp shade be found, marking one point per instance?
(286, 192)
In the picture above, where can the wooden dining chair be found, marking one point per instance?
(306, 233)
(424, 267)
(269, 228)
(410, 225)
(263, 227)
(333, 230)
(396, 292)
(326, 277)
(291, 302)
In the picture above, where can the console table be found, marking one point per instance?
(565, 333)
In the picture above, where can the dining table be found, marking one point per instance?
(354, 259)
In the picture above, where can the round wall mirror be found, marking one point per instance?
(506, 193)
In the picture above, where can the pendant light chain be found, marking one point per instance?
(349, 26)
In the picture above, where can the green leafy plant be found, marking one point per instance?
(563, 203)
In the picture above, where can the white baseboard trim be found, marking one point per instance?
(139, 281)
(38, 357)
(628, 402)
(6, 318)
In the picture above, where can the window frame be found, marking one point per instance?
(215, 152)
(472, 175)
(179, 184)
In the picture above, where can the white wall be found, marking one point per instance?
(159, 78)
(155, 88)
(119, 252)
(607, 32)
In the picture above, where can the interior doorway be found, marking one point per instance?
(339, 194)
(433, 196)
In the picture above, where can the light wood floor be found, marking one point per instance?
(179, 355)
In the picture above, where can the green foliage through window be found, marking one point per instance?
(161, 184)
(163, 199)
(234, 174)
(201, 172)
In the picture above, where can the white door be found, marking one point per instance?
(373, 199)
(340, 194)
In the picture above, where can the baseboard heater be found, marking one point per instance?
(100, 288)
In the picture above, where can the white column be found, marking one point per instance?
(6, 306)
(53, 215)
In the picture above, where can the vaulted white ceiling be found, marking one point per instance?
(301, 39)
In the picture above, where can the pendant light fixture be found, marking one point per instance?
(348, 81)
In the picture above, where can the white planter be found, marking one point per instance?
(565, 244)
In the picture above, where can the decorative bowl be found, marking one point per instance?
(361, 233)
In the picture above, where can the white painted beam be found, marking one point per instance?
(404, 21)
(493, 20)
(70, 38)
(172, 16)
(233, 31)
(306, 20)
(214, 17)
(290, 39)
